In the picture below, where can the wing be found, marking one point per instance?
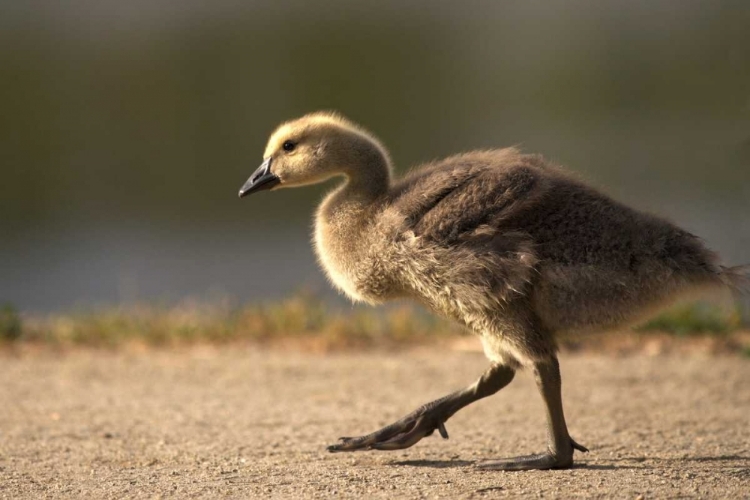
(463, 198)
(456, 208)
(499, 220)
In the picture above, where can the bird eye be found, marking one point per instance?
(288, 146)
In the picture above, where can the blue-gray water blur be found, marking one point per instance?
(128, 127)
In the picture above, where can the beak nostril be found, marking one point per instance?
(260, 180)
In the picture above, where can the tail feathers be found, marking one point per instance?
(737, 278)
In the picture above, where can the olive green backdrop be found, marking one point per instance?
(126, 128)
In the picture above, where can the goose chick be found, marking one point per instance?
(510, 246)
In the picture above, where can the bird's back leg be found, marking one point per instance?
(560, 445)
(429, 417)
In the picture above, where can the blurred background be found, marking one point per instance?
(127, 128)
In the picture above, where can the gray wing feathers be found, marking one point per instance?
(448, 202)
(456, 207)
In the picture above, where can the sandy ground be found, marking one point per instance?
(242, 422)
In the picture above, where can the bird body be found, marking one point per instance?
(509, 245)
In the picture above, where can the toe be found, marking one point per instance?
(400, 442)
(578, 447)
(352, 444)
(529, 462)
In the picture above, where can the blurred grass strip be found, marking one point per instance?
(303, 318)
(10, 323)
(696, 319)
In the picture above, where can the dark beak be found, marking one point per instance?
(260, 180)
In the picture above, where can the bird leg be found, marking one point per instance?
(429, 417)
(560, 445)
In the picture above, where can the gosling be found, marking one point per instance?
(505, 243)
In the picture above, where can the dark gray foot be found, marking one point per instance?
(528, 462)
(543, 461)
(428, 418)
(399, 435)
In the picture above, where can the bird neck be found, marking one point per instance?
(368, 175)
(366, 165)
(365, 185)
(347, 207)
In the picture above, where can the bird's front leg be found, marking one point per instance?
(427, 418)
(560, 445)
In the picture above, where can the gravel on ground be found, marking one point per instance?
(246, 422)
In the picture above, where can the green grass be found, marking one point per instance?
(10, 323)
(698, 318)
(303, 318)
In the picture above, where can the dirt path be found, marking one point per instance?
(240, 422)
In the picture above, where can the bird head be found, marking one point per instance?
(312, 149)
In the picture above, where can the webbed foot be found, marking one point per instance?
(399, 435)
(542, 461)
(428, 418)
